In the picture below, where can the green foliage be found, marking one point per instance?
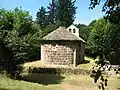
(19, 36)
(49, 29)
(84, 31)
(104, 41)
(66, 11)
(97, 38)
(17, 19)
(110, 7)
(56, 15)
(52, 12)
(92, 23)
(113, 50)
(25, 48)
(6, 20)
(24, 33)
(42, 17)
(110, 39)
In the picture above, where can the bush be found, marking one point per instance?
(69, 71)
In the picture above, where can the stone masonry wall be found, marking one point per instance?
(82, 52)
(58, 53)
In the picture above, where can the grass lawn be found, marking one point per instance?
(10, 84)
(55, 82)
(36, 81)
(87, 64)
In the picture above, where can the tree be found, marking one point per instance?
(92, 23)
(19, 35)
(104, 41)
(98, 42)
(60, 12)
(6, 20)
(42, 17)
(52, 12)
(16, 20)
(66, 11)
(112, 35)
(84, 31)
(111, 7)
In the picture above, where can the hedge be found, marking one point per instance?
(68, 71)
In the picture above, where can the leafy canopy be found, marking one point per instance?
(59, 12)
(110, 7)
(19, 36)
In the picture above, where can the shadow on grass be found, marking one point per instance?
(44, 79)
(3, 89)
(118, 77)
(85, 62)
(118, 88)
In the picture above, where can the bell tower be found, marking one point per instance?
(73, 29)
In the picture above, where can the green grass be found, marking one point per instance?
(87, 64)
(36, 81)
(54, 82)
(10, 84)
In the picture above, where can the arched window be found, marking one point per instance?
(69, 30)
(74, 30)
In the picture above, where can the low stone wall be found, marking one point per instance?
(65, 71)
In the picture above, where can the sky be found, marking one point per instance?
(83, 14)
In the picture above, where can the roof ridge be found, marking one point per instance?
(62, 33)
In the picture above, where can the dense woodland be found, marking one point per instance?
(20, 35)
